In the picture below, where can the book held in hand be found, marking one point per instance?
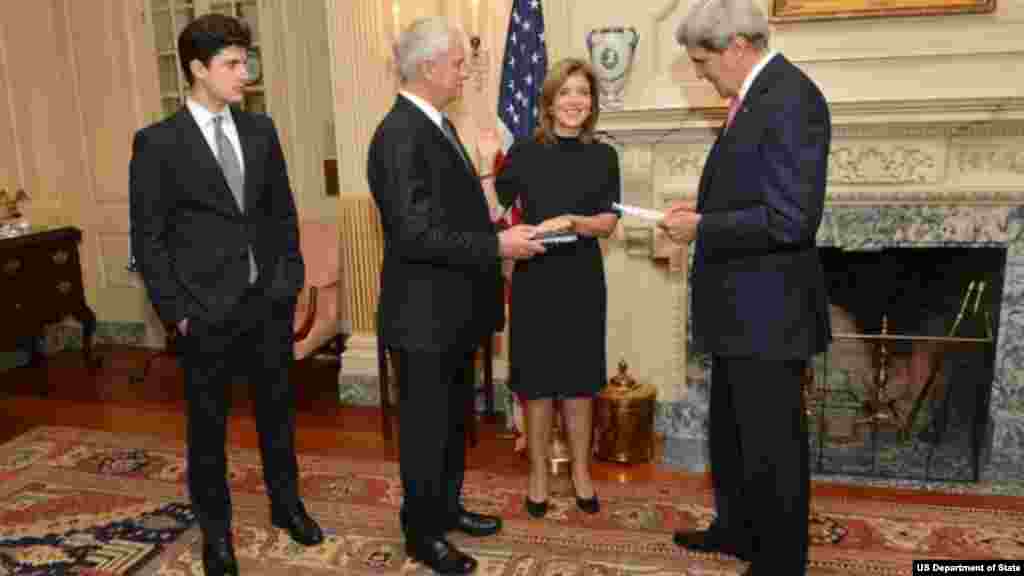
(556, 237)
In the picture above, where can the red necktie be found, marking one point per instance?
(734, 106)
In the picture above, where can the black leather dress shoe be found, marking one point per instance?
(709, 541)
(441, 557)
(476, 524)
(300, 526)
(219, 557)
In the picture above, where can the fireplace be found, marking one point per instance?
(864, 227)
(904, 389)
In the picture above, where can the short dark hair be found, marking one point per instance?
(206, 36)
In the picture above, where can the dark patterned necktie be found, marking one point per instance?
(449, 131)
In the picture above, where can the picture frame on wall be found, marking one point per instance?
(798, 10)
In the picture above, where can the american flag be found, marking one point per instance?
(522, 71)
(522, 75)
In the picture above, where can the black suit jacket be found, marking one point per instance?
(188, 235)
(440, 279)
(758, 283)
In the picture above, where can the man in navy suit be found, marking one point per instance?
(440, 286)
(760, 307)
(215, 233)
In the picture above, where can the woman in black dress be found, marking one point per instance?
(562, 178)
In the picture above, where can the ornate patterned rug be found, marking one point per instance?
(93, 503)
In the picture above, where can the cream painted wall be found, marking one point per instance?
(77, 80)
(362, 33)
(74, 89)
(957, 56)
(10, 162)
(41, 110)
(300, 96)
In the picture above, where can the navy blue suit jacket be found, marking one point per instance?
(758, 283)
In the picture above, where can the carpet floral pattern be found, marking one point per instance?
(94, 503)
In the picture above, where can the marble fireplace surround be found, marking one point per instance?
(901, 174)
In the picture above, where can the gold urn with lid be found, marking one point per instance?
(624, 419)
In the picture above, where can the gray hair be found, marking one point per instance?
(424, 39)
(712, 24)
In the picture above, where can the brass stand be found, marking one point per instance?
(881, 411)
(559, 456)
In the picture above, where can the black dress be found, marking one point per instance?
(559, 302)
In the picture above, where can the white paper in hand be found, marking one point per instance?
(645, 213)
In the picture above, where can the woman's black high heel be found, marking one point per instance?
(589, 505)
(536, 509)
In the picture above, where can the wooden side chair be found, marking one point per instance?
(318, 323)
(168, 352)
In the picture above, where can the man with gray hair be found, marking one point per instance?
(760, 307)
(440, 286)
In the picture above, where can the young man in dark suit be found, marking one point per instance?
(759, 300)
(440, 286)
(215, 234)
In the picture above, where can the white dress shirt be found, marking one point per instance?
(204, 118)
(433, 113)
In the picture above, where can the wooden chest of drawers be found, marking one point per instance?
(40, 284)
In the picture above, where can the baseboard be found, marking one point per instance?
(67, 335)
(360, 358)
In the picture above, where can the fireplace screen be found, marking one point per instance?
(904, 389)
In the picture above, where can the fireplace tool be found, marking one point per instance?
(880, 408)
(975, 289)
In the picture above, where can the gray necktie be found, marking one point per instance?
(449, 131)
(232, 169)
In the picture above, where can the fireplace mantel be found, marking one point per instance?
(887, 152)
(937, 116)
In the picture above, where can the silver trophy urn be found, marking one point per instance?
(611, 55)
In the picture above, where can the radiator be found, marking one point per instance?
(362, 250)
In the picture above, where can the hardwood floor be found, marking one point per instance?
(63, 392)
